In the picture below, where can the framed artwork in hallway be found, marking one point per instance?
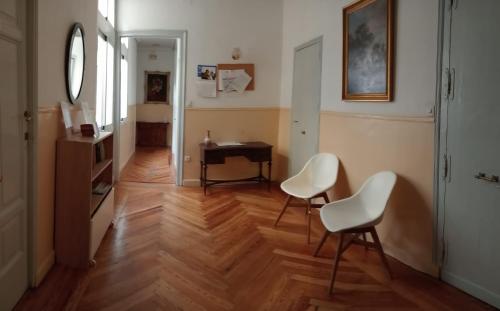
(157, 87)
(368, 51)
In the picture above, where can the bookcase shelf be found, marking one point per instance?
(82, 217)
(100, 167)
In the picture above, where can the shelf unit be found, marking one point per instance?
(82, 217)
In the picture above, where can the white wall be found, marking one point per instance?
(214, 28)
(415, 64)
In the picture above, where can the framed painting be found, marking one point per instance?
(368, 51)
(157, 87)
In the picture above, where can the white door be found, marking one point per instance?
(306, 103)
(472, 201)
(13, 153)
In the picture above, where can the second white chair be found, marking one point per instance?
(313, 181)
(358, 215)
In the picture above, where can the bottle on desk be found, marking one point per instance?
(207, 139)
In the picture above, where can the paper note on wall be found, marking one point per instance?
(206, 88)
(233, 80)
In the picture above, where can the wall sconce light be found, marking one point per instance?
(236, 53)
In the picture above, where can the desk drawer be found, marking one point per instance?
(260, 155)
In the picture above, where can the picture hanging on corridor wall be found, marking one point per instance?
(157, 87)
(368, 39)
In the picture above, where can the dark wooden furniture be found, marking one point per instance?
(254, 151)
(151, 134)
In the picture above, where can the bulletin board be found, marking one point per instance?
(249, 69)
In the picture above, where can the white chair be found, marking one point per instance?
(358, 215)
(318, 176)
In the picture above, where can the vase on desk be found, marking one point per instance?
(207, 139)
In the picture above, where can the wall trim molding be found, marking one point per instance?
(45, 267)
(191, 183)
(418, 119)
(51, 109)
(258, 108)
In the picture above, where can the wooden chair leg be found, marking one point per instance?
(336, 262)
(380, 250)
(287, 201)
(320, 245)
(309, 221)
(364, 239)
(325, 197)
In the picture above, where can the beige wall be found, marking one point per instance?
(55, 19)
(127, 137)
(239, 124)
(367, 144)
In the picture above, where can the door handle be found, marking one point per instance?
(27, 116)
(492, 178)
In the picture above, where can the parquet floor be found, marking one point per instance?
(179, 250)
(149, 165)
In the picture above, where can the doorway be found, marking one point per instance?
(306, 104)
(156, 133)
(469, 186)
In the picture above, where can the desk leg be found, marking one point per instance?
(205, 166)
(260, 172)
(269, 164)
(201, 173)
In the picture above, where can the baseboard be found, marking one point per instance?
(472, 289)
(191, 182)
(45, 267)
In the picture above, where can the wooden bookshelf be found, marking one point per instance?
(81, 216)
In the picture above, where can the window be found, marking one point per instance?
(107, 10)
(124, 80)
(104, 91)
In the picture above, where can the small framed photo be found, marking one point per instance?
(207, 72)
(157, 87)
(368, 54)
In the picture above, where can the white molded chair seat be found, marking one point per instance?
(363, 209)
(358, 215)
(317, 176)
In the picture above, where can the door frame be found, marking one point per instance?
(317, 40)
(32, 129)
(439, 145)
(180, 35)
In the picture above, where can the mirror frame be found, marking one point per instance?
(71, 39)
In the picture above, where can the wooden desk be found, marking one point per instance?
(254, 151)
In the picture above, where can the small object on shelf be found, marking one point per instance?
(101, 188)
(207, 139)
(87, 130)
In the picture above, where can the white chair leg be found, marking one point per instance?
(336, 262)
(320, 245)
(287, 201)
(380, 250)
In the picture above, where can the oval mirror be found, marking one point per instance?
(75, 62)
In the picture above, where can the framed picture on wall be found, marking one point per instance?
(368, 51)
(157, 87)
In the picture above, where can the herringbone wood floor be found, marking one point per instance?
(176, 249)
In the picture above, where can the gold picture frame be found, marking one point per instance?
(368, 51)
(156, 87)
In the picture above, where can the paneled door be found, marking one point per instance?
(471, 134)
(306, 103)
(13, 153)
